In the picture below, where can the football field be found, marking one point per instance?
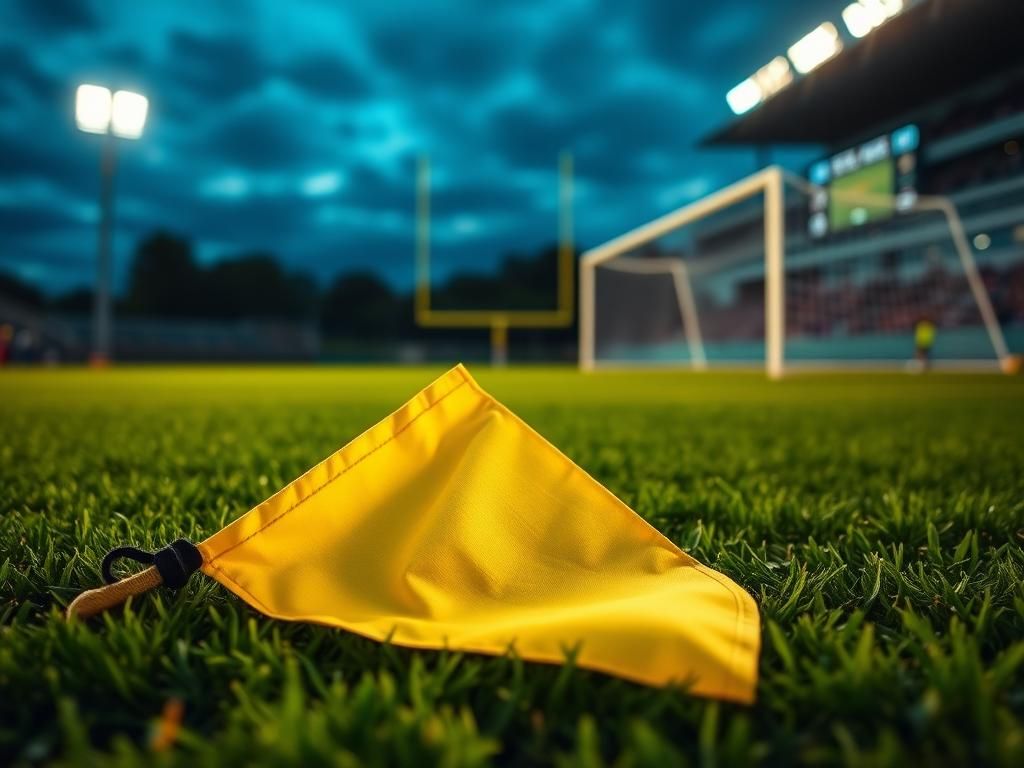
(877, 520)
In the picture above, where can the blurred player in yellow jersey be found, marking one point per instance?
(924, 340)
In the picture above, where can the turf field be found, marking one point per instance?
(877, 520)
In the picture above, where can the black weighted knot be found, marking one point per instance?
(175, 563)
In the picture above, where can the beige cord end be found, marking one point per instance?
(98, 600)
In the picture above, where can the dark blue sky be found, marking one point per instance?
(294, 127)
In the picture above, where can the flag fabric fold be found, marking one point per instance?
(452, 524)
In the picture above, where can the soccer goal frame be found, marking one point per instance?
(770, 182)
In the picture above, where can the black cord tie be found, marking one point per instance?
(175, 562)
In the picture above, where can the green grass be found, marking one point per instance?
(878, 522)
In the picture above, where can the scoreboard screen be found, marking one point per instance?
(869, 182)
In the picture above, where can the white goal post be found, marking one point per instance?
(769, 186)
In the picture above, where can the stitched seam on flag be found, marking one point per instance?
(351, 466)
(740, 615)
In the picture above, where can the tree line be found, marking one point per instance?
(166, 280)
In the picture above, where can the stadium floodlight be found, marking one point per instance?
(815, 48)
(766, 82)
(128, 114)
(857, 19)
(865, 15)
(92, 108)
(744, 97)
(121, 114)
(774, 76)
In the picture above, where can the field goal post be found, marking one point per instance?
(498, 321)
(770, 187)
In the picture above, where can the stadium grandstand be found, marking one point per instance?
(911, 211)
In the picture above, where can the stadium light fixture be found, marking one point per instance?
(121, 114)
(810, 52)
(865, 15)
(763, 84)
(774, 76)
(128, 114)
(857, 19)
(92, 108)
(744, 97)
(815, 48)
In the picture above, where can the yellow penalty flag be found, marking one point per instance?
(452, 524)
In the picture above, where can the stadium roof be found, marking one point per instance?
(930, 51)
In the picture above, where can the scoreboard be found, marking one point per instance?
(868, 182)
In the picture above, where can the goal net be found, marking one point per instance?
(773, 272)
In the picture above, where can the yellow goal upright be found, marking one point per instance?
(499, 321)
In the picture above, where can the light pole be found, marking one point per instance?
(122, 114)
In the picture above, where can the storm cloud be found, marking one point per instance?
(295, 128)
